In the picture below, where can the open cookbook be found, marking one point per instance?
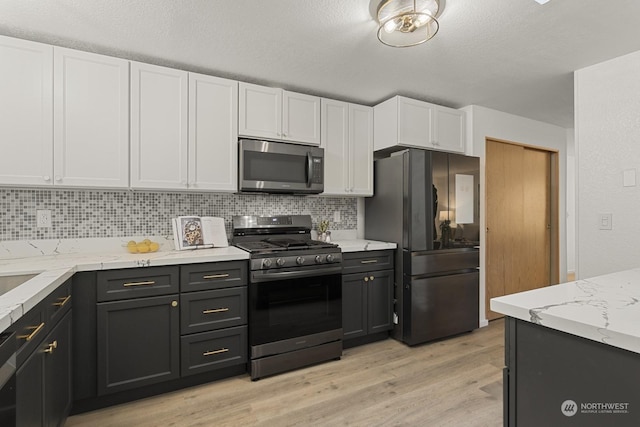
(195, 232)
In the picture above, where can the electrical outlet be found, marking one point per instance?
(336, 216)
(43, 218)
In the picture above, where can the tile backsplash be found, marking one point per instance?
(95, 213)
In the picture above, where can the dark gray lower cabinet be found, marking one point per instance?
(43, 382)
(367, 300)
(138, 342)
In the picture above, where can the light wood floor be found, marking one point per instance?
(455, 382)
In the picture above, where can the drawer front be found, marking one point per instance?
(434, 262)
(137, 282)
(30, 331)
(58, 302)
(213, 275)
(209, 310)
(358, 262)
(208, 351)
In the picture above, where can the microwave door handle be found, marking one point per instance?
(309, 168)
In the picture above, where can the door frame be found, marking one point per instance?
(554, 247)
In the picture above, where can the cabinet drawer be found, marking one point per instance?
(58, 303)
(209, 310)
(137, 282)
(357, 262)
(213, 275)
(207, 351)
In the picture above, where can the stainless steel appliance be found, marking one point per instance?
(278, 167)
(7, 379)
(428, 203)
(295, 293)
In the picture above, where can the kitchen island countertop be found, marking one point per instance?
(604, 308)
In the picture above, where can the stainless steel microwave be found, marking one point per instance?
(279, 167)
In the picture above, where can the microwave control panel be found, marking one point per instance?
(317, 170)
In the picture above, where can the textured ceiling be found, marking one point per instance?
(510, 55)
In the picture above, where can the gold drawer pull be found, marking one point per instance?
(211, 353)
(51, 347)
(215, 310)
(30, 336)
(62, 301)
(149, 282)
(369, 261)
(215, 276)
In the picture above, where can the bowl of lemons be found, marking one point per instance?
(142, 247)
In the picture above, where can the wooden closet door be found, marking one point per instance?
(518, 198)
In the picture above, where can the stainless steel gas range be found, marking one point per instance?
(295, 293)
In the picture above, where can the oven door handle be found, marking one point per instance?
(269, 276)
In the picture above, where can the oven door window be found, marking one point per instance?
(294, 307)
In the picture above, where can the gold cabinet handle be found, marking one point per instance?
(148, 282)
(369, 261)
(30, 336)
(51, 347)
(366, 279)
(371, 277)
(174, 303)
(215, 276)
(62, 301)
(211, 353)
(215, 310)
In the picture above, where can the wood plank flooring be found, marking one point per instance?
(454, 382)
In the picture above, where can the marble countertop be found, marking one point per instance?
(604, 308)
(53, 266)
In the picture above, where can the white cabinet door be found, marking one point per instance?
(415, 121)
(300, 118)
(448, 131)
(91, 120)
(347, 139)
(213, 133)
(260, 111)
(159, 98)
(335, 141)
(360, 150)
(26, 112)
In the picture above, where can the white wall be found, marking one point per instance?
(571, 201)
(485, 123)
(607, 118)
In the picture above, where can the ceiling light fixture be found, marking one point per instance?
(405, 23)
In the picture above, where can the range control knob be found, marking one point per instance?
(318, 259)
(280, 262)
(300, 260)
(329, 258)
(266, 263)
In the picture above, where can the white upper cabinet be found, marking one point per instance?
(347, 139)
(159, 98)
(213, 133)
(91, 120)
(26, 112)
(406, 122)
(273, 113)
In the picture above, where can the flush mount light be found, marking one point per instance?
(405, 23)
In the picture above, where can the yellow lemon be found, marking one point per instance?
(142, 248)
(147, 241)
(131, 243)
(153, 247)
(132, 249)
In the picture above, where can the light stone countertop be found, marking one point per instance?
(604, 308)
(53, 266)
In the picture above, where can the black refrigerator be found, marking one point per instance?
(427, 202)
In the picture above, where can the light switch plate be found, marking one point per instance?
(605, 221)
(629, 178)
